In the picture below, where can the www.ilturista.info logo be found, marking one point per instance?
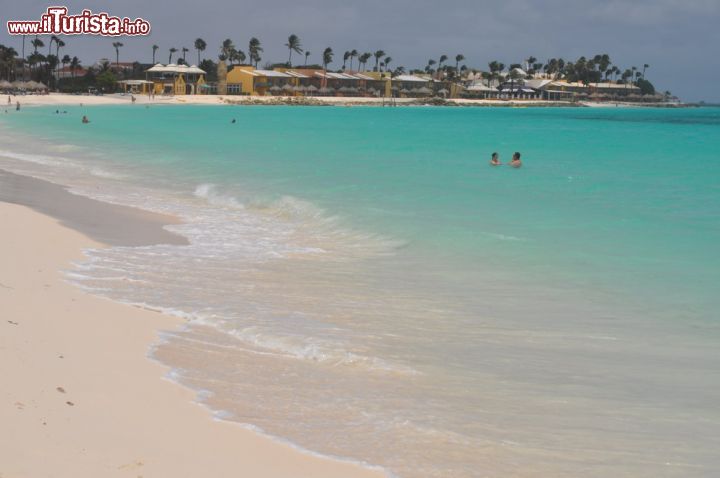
(56, 21)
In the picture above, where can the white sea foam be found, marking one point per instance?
(103, 173)
(43, 159)
(210, 193)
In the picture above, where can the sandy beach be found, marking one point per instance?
(118, 99)
(80, 397)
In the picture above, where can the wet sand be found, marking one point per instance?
(79, 397)
(103, 222)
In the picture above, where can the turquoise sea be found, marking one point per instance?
(363, 284)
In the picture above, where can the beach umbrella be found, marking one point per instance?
(4, 84)
(325, 89)
(274, 88)
(312, 88)
(424, 90)
(287, 87)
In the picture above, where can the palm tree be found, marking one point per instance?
(513, 76)
(327, 57)
(37, 43)
(307, 54)
(387, 61)
(237, 56)
(117, 45)
(458, 59)
(378, 54)
(65, 60)
(364, 59)
(74, 65)
(529, 62)
(154, 48)
(443, 59)
(23, 55)
(634, 69)
(227, 48)
(200, 45)
(7, 60)
(293, 45)
(254, 49)
(53, 38)
(172, 52)
(346, 57)
(353, 54)
(184, 50)
(58, 44)
(645, 67)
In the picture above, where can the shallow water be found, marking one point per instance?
(361, 283)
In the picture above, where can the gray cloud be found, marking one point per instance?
(675, 37)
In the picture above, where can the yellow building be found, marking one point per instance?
(176, 79)
(247, 80)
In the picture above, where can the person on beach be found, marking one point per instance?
(17, 106)
(495, 160)
(85, 120)
(515, 161)
(9, 101)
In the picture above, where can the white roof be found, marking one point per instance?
(296, 74)
(592, 85)
(173, 68)
(411, 78)
(479, 86)
(266, 73)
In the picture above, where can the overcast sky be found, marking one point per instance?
(678, 38)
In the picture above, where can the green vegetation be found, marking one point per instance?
(38, 67)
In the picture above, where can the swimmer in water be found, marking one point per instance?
(515, 161)
(85, 120)
(233, 121)
(495, 160)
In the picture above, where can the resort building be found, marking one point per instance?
(175, 79)
(246, 80)
(69, 72)
(136, 86)
(478, 89)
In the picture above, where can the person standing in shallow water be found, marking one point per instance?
(515, 161)
(495, 160)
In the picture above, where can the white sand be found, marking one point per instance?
(114, 99)
(79, 398)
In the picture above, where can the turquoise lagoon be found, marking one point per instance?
(361, 283)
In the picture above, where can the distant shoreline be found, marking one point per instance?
(63, 99)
